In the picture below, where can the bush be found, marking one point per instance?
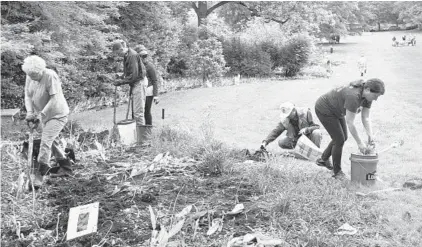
(295, 55)
(246, 59)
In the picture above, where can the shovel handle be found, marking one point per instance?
(115, 105)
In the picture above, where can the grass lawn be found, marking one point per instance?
(285, 198)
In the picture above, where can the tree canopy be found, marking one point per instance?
(75, 37)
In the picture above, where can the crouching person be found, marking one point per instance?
(296, 121)
(44, 100)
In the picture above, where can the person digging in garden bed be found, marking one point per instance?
(44, 100)
(296, 121)
(134, 73)
(337, 110)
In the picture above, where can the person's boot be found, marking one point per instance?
(36, 180)
(65, 169)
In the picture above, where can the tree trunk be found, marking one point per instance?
(379, 26)
(202, 12)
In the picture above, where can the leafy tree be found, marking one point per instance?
(410, 12)
(73, 38)
(207, 59)
(156, 25)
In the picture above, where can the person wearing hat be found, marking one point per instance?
(134, 75)
(45, 101)
(296, 121)
(152, 89)
(337, 110)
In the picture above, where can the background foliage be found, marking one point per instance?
(224, 38)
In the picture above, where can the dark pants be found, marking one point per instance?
(337, 129)
(148, 104)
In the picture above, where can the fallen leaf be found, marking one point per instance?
(176, 228)
(237, 209)
(248, 238)
(346, 229)
(158, 157)
(153, 218)
(138, 171)
(217, 225)
(115, 191)
(238, 241)
(184, 212)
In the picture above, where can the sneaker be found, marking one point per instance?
(340, 176)
(327, 164)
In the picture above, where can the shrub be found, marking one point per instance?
(207, 59)
(295, 55)
(246, 59)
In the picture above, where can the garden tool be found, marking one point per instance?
(34, 175)
(115, 131)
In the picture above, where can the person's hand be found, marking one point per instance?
(31, 117)
(156, 100)
(362, 148)
(302, 131)
(263, 145)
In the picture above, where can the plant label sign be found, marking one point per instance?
(82, 220)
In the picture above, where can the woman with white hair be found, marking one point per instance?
(44, 100)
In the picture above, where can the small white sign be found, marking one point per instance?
(82, 220)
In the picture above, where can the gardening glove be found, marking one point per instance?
(303, 131)
(156, 100)
(263, 145)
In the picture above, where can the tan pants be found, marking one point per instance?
(49, 140)
(138, 99)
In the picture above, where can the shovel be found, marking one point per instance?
(115, 131)
(33, 124)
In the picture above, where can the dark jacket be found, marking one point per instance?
(304, 120)
(152, 77)
(133, 68)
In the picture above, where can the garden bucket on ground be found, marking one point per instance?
(127, 131)
(306, 149)
(363, 168)
(143, 132)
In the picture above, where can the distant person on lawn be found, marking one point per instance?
(152, 89)
(362, 65)
(134, 75)
(44, 100)
(337, 110)
(296, 121)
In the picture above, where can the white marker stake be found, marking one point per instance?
(82, 220)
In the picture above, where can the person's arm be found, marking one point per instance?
(274, 134)
(28, 101)
(350, 121)
(366, 121)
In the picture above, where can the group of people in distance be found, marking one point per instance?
(409, 39)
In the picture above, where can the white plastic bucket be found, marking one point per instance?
(127, 131)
